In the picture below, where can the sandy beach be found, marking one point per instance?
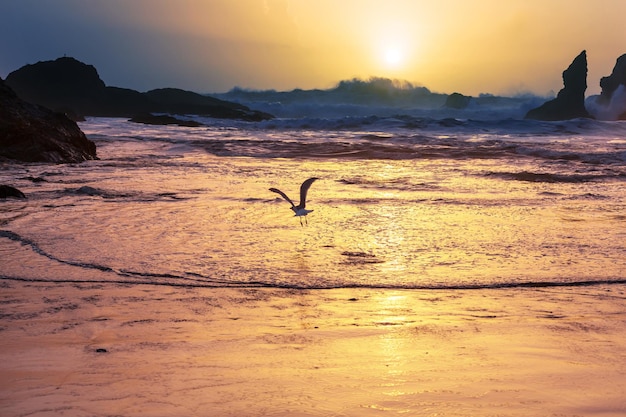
(312, 209)
(124, 350)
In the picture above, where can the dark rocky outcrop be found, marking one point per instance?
(176, 101)
(33, 133)
(163, 119)
(7, 191)
(570, 102)
(612, 82)
(610, 104)
(72, 87)
(457, 101)
(64, 85)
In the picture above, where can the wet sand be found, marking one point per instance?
(125, 350)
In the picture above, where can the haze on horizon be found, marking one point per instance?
(211, 46)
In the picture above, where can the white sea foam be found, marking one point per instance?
(612, 110)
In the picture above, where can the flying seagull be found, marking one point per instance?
(299, 210)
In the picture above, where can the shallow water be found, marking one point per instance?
(435, 207)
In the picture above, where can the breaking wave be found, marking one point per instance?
(377, 96)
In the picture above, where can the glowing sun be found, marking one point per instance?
(393, 57)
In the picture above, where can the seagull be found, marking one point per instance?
(300, 209)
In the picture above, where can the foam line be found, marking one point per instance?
(124, 273)
(202, 281)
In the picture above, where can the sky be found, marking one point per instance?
(503, 47)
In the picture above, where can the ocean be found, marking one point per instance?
(411, 195)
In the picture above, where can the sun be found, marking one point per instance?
(392, 46)
(393, 57)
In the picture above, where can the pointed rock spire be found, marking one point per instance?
(570, 102)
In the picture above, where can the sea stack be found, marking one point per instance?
(570, 102)
(611, 103)
(612, 82)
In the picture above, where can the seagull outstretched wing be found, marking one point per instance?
(283, 195)
(304, 188)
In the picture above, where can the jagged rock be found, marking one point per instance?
(570, 102)
(7, 191)
(612, 82)
(611, 103)
(32, 133)
(72, 87)
(457, 101)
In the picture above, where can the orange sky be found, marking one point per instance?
(469, 46)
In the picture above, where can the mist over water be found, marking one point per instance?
(409, 196)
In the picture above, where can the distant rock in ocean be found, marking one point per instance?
(570, 102)
(69, 86)
(611, 103)
(33, 133)
(7, 191)
(457, 101)
(162, 119)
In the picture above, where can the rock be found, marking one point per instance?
(7, 191)
(120, 102)
(69, 86)
(457, 101)
(176, 101)
(35, 179)
(150, 119)
(612, 82)
(64, 85)
(570, 102)
(87, 190)
(33, 133)
(611, 103)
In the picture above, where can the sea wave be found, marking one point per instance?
(582, 141)
(377, 96)
(411, 146)
(398, 124)
(555, 178)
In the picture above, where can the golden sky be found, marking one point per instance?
(467, 46)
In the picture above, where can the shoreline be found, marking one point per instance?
(140, 350)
